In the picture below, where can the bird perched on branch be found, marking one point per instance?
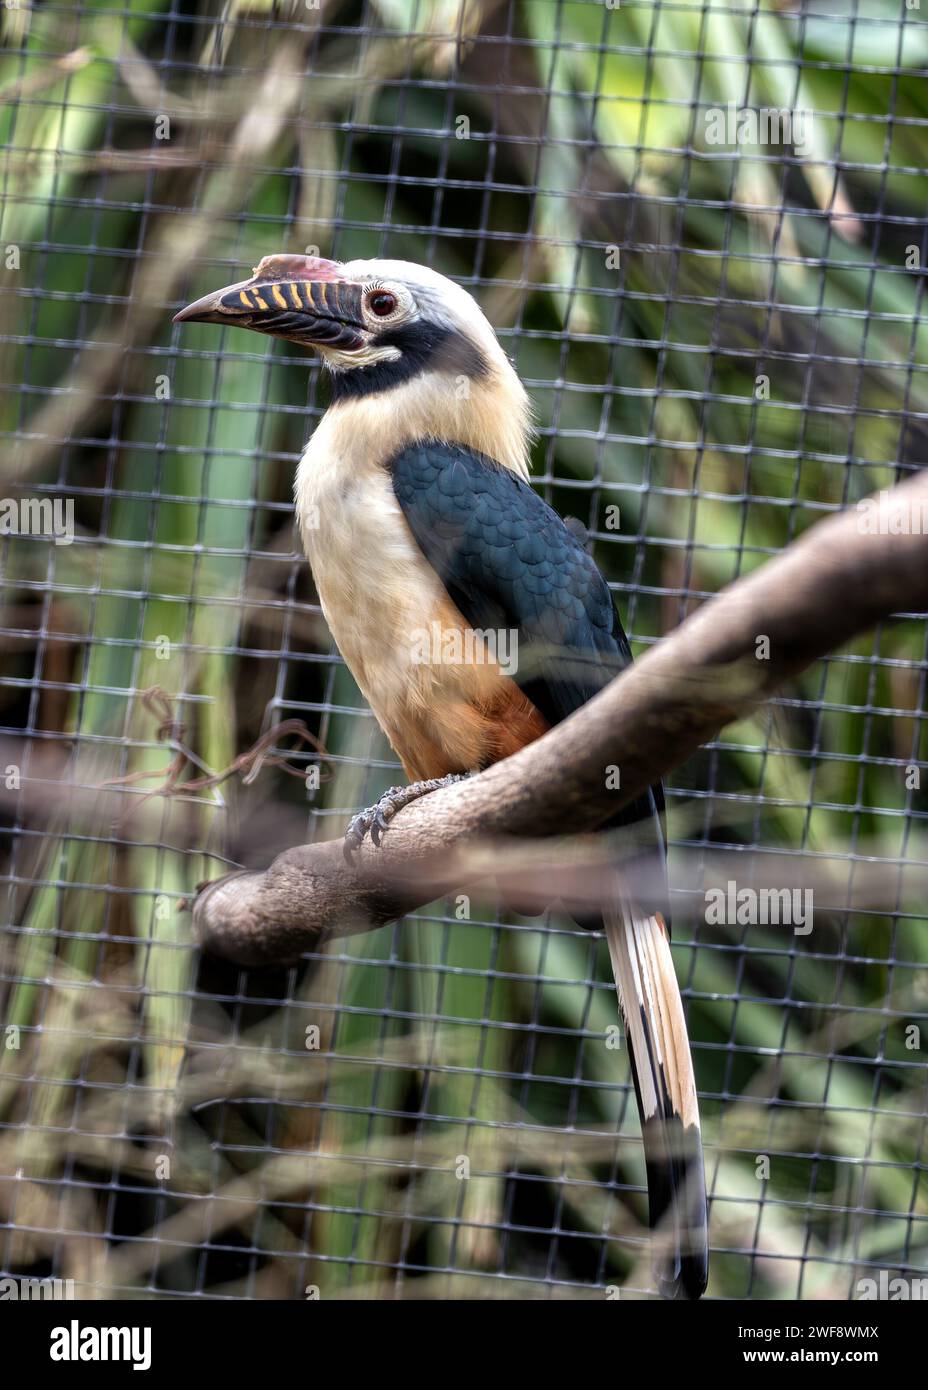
(434, 561)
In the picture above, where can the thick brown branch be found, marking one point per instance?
(832, 584)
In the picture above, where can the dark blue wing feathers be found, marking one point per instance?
(507, 560)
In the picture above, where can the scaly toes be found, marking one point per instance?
(357, 829)
(384, 814)
(376, 818)
(373, 819)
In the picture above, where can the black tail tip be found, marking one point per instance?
(685, 1279)
(677, 1207)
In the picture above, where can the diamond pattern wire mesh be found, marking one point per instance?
(723, 340)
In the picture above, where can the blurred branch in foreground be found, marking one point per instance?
(844, 575)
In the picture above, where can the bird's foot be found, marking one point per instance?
(376, 818)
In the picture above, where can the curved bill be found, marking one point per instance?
(302, 298)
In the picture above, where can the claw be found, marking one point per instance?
(376, 819)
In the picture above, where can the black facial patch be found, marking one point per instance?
(423, 347)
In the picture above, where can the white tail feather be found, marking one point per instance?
(653, 1011)
(660, 1054)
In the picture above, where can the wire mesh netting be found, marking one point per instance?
(699, 231)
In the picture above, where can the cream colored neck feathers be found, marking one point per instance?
(490, 414)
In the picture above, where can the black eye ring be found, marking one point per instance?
(382, 303)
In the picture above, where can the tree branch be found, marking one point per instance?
(835, 582)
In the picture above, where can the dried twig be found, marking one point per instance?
(172, 732)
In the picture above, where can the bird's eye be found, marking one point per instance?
(381, 303)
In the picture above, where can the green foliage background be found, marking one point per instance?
(722, 343)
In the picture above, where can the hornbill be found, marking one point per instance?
(417, 516)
